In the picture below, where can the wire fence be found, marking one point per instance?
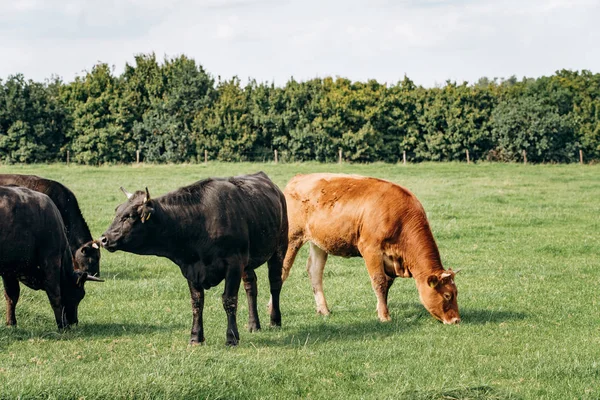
(284, 157)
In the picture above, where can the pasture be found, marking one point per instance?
(527, 239)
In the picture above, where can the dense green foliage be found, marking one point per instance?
(526, 238)
(174, 111)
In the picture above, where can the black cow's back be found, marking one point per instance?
(31, 231)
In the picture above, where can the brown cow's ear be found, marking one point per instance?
(433, 281)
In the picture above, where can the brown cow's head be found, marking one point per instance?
(130, 228)
(438, 294)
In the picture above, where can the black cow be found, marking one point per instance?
(214, 229)
(34, 250)
(86, 252)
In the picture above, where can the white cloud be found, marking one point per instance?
(430, 41)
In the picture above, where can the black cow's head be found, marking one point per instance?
(87, 258)
(131, 227)
(73, 292)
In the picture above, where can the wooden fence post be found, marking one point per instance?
(137, 156)
(468, 159)
(581, 157)
(524, 157)
(276, 157)
(404, 157)
(68, 158)
(205, 156)
(340, 156)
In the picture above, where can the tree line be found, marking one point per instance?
(174, 111)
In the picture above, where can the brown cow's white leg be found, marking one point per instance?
(315, 266)
(380, 282)
(11, 294)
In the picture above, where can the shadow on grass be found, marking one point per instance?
(83, 331)
(345, 325)
(469, 393)
(480, 316)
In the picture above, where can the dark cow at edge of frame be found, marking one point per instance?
(384, 223)
(34, 251)
(86, 252)
(215, 229)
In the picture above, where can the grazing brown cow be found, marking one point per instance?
(352, 216)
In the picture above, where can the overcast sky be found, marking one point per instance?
(430, 41)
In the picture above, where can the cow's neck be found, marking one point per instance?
(170, 240)
(422, 255)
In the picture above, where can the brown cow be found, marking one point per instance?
(351, 216)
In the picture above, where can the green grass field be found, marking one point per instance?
(527, 239)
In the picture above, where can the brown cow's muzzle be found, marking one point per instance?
(452, 321)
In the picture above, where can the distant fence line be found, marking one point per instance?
(276, 158)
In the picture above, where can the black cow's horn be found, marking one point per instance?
(147, 198)
(129, 195)
(93, 278)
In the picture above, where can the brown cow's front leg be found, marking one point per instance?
(230, 301)
(315, 266)
(380, 281)
(12, 290)
(249, 278)
(197, 299)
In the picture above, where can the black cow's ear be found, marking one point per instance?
(147, 212)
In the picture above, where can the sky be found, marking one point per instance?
(429, 41)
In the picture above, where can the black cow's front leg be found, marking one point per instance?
(197, 296)
(230, 300)
(12, 291)
(251, 293)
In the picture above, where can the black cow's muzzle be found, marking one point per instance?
(107, 244)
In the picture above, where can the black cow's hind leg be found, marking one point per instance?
(12, 290)
(230, 300)
(197, 298)
(275, 281)
(249, 278)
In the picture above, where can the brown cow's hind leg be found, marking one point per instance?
(315, 266)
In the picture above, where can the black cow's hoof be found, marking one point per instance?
(276, 322)
(253, 327)
(231, 342)
(196, 342)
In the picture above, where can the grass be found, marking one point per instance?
(527, 239)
